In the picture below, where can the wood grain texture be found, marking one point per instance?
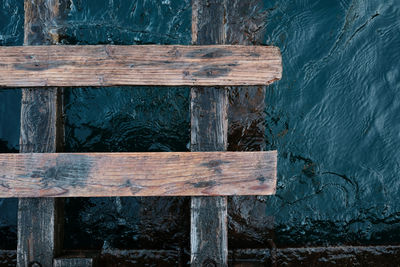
(209, 119)
(42, 123)
(209, 242)
(34, 66)
(208, 228)
(74, 262)
(246, 23)
(209, 231)
(40, 221)
(299, 256)
(137, 174)
(44, 20)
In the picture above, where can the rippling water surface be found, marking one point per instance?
(334, 118)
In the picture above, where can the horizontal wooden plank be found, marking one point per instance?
(301, 256)
(164, 65)
(137, 174)
(73, 262)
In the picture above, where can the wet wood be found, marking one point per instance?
(247, 123)
(209, 124)
(74, 262)
(44, 20)
(34, 66)
(40, 220)
(42, 124)
(209, 241)
(137, 174)
(208, 230)
(302, 256)
(246, 130)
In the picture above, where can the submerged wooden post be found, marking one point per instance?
(209, 125)
(246, 103)
(40, 219)
(246, 130)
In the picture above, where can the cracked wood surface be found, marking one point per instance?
(137, 174)
(166, 65)
(40, 221)
(209, 124)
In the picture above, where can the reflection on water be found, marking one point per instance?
(333, 118)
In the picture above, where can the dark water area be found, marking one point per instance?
(333, 119)
(11, 33)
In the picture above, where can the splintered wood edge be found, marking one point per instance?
(151, 65)
(137, 174)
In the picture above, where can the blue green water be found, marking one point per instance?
(334, 118)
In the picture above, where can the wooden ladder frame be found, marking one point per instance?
(40, 219)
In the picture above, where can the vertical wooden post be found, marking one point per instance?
(42, 130)
(209, 242)
(245, 25)
(228, 22)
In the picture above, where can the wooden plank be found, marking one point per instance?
(246, 116)
(106, 65)
(135, 257)
(73, 262)
(246, 130)
(137, 174)
(208, 237)
(40, 220)
(208, 228)
(300, 256)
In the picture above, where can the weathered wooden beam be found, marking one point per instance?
(74, 262)
(301, 256)
(208, 229)
(139, 257)
(106, 65)
(247, 116)
(208, 215)
(40, 220)
(137, 174)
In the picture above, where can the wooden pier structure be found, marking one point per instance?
(220, 61)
